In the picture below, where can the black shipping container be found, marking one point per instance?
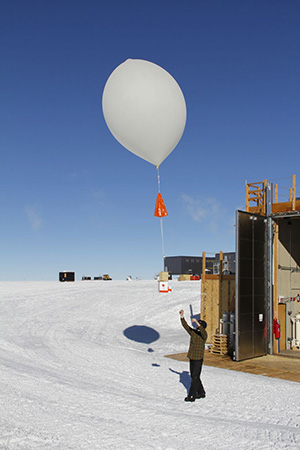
(66, 276)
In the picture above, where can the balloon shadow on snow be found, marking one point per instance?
(141, 333)
(184, 378)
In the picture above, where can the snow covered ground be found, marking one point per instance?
(83, 367)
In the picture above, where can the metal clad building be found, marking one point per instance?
(177, 265)
(192, 265)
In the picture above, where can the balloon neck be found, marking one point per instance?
(158, 178)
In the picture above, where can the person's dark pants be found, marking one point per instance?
(196, 385)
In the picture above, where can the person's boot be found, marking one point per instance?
(200, 395)
(189, 399)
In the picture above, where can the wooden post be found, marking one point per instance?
(203, 313)
(276, 193)
(247, 197)
(221, 264)
(294, 194)
(203, 267)
(291, 194)
(275, 295)
(220, 285)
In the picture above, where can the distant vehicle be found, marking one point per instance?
(86, 278)
(106, 277)
(97, 278)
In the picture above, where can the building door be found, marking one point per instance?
(251, 286)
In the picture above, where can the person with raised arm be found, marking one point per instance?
(195, 354)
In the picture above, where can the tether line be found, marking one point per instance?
(161, 222)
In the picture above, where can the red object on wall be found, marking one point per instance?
(276, 328)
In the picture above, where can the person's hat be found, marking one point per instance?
(203, 323)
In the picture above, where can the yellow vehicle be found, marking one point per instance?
(106, 277)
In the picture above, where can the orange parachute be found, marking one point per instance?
(160, 209)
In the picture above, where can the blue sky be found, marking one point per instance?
(71, 197)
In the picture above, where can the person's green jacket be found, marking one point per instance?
(197, 341)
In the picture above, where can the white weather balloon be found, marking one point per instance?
(144, 108)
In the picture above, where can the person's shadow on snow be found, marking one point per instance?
(184, 378)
